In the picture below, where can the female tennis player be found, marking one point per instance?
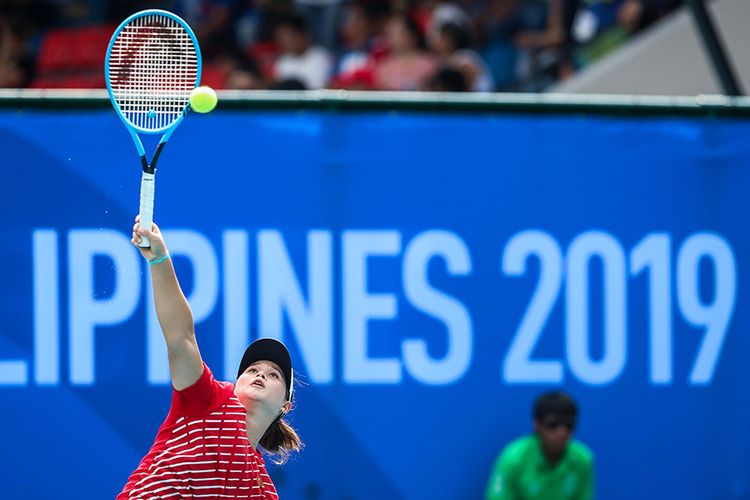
(209, 445)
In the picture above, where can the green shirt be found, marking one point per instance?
(523, 473)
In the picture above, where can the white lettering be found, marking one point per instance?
(236, 300)
(279, 293)
(361, 306)
(86, 310)
(439, 305)
(46, 308)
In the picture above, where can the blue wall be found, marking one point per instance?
(430, 273)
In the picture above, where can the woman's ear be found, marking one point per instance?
(287, 406)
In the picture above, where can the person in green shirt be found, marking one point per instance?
(548, 464)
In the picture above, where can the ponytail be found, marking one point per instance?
(280, 441)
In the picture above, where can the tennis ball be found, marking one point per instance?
(203, 99)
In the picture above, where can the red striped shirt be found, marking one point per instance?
(202, 450)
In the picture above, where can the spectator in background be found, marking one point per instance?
(630, 14)
(21, 22)
(322, 18)
(635, 15)
(361, 44)
(234, 68)
(548, 464)
(525, 41)
(543, 46)
(547, 31)
(301, 64)
(408, 66)
(594, 17)
(212, 22)
(16, 65)
(524, 44)
(601, 26)
(255, 20)
(447, 79)
(70, 13)
(444, 13)
(451, 42)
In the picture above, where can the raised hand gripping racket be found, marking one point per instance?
(153, 63)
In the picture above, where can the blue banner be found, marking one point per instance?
(430, 273)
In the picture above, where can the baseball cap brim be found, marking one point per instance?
(268, 349)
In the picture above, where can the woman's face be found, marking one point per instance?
(398, 36)
(289, 40)
(355, 28)
(440, 43)
(262, 383)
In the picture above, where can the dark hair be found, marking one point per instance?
(457, 34)
(413, 28)
(373, 10)
(280, 441)
(448, 79)
(289, 84)
(239, 58)
(557, 403)
(295, 22)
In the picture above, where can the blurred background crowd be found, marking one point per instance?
(457, 45)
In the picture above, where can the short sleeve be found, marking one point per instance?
(500, 485)
(587, 483)
(203, 397)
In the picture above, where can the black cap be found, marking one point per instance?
(268, 349)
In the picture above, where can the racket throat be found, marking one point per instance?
(151, 168)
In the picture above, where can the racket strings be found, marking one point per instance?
(153, 68)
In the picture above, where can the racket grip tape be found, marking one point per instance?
(147, 205)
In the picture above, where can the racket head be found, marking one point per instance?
(153, 62)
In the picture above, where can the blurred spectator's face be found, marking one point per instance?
(239, 79)
(440, 43)
(398, 36)
(555, 432)
(290, 40)
(12, 76)
(355, 29)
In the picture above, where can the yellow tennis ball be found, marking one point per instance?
(203, 99)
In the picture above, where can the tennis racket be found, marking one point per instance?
(153, 63)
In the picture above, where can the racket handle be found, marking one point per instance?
(147, 205)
